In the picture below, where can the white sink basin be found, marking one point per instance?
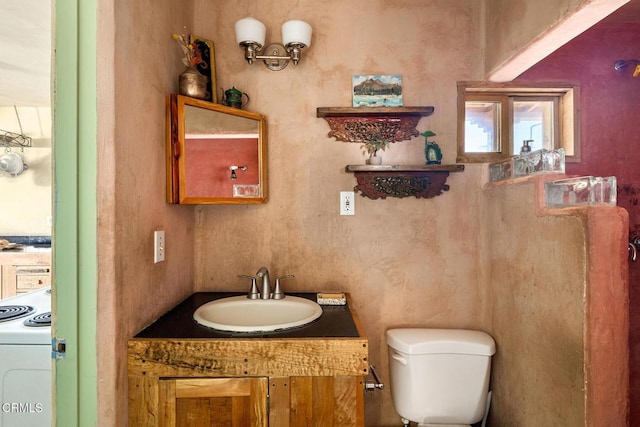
(240, 314)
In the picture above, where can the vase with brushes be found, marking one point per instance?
(190, 82)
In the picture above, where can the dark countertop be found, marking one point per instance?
(36, 241)
(27, 249)
(178, 323)
(28, 244)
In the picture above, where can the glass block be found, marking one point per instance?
(539, 161)
(501, 170)
(585, 190)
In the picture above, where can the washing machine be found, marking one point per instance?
(25, 360)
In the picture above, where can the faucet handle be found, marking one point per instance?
(277, 292)
(253, 292)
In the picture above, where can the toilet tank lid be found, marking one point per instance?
(440, 341)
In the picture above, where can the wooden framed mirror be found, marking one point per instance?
(215, 154)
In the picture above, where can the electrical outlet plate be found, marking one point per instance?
(158, 246)
(347, 203)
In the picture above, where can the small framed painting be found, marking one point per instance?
(377, 90)
(207, 66)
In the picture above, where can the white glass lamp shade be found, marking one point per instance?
(250, 30)
(296, 32)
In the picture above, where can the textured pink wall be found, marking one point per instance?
(610, 132)
(535, 310)
(558, 311)
(520, 33)
(607, 318)
(512, 24)
(404, 261)
(138, 65)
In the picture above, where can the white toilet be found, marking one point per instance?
(440, 377)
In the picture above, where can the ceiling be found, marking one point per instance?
(25, 53)
(25, 49)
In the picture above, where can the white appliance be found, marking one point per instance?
(25, 360)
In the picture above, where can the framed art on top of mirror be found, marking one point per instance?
(207, 66)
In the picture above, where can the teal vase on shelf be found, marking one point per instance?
(432, 151)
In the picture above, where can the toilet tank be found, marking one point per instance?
(440, 375)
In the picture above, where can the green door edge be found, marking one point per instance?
(75, 211)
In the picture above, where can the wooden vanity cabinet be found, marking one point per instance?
(182, 375)
(231, 382)
(234, 382)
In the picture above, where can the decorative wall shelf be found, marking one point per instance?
(420, 181)
(360, 124)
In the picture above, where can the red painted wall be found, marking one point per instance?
(610, 137)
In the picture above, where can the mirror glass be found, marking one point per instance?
(217, 154)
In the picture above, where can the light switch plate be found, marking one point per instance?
(158, 246)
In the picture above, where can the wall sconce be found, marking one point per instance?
(296, 35)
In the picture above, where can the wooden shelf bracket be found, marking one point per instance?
(351, 124)
(380, 182)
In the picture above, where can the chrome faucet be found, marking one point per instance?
(265, 292)
(263, 273)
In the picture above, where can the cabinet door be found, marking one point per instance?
(214, 402)
(316, 401)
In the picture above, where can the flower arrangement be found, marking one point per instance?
(192, 56)
(372, 147)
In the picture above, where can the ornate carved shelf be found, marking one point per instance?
(420, 181)
(360, 124)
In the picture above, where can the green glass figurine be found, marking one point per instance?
(432, 151)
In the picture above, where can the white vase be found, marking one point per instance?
(374, 160)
